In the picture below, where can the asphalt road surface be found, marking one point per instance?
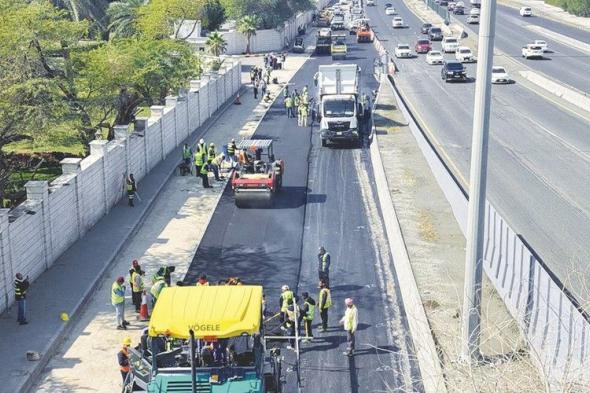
(327, 199)
(538, 152)
(563, 63)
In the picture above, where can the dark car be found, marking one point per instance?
(453, 71)
(435, 34)
(425, 27)
(443, 3)
(423, 46)
(459, 10)
(388, 5)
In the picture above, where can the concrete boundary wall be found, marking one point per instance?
(34, 234)
(553, 322)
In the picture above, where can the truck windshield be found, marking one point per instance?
(344, 108)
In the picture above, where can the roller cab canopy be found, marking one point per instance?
(210, 311)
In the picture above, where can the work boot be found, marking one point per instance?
(126, 323)
(119, 327)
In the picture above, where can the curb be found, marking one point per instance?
(424, 346)
(29, 381)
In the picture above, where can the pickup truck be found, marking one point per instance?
(450, 44)
(532, 51)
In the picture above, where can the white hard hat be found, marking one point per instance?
(201, 140)
(285, 287)
(348, 301)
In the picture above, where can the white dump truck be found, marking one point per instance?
(340, 108)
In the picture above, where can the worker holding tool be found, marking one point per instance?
(307, 315)
(123, 359)
(325, 302)
(286, 295)
(118, 301)
(324, 261)
(211, 155)
(350, 322)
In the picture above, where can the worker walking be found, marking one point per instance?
(289, 106)
(324, 261)
(325, 302)
(307, 314)
(118, 301)
(21, 286)
(131, 189)
(157, 286)
(123, 359)
(350, 322)
(286, 295)
(137, 286)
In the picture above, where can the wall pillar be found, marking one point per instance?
(38, 192)
(6, 261)
(157, 113)
(99, 149)
(71, 166)
(171, 102)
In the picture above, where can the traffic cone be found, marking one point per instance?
(237, 100)
(143, 310)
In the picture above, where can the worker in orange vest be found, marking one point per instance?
(123, 358)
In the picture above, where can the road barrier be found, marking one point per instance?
(554, 323)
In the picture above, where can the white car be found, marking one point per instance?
(532, 51)
(390, 11)
(397, 22)
(434, 57)
(464, 55)
(542, 44)
(403, 50)
(526, 11)
(474, 11)
(499, 75)
(370, 3)
(473, 19)
(450, 44)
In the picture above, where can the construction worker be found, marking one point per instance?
(350, 322)
(324, 266)
(304, 114)
(199, 161)
(289, 321)
(118, 301)
(215, 166)
(307, 314)
(286, 92)
(156, 289)
(187, 153)
(164, 272)
(137, 286)
(231, 150)
(286, 295)
(204, 172)
(202, 146)
(131, 189)
(289, 106)
(325, 302)
(244, 157)
(21, 286)
(202, 281)
(123, 359)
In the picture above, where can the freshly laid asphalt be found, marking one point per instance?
(322, 203)
(538, 152)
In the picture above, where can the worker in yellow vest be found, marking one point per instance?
(307, 315)
(350, 322)
(199, 161)
(324, 303)
(286, 295)
(156, 289)
(137, 287)
(118, 301)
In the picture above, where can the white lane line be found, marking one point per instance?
(562, 39)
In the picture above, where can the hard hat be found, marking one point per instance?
(211, 144)
(322, 249)
(201, 140)
(127, 341)
(64, 316)
(285, 287)
(233, 140)
(348, 301)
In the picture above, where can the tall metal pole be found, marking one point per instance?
(477, 184)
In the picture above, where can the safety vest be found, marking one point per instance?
(296, 101)
(129, 187)
(231, 149)
(310, 311)
(325, 262)
(201, 147)
(157, 288)
(289, 102)
(19, 289)
(117, 293)
(211, 154)
(285, 296)
(328, 303)
(134, 276)
(350, 319)
(186, 152)
(204, 170)
(199, 158)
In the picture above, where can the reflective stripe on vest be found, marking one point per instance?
(324, 261)
(286, 296)
(18, 290)
(231, 149)
(199, 158)
(310, 312)
(129, 187)
(211, 154)
(186, 153)
(328, 302)
(115, 297)
(157, 288)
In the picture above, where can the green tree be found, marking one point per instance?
(160, 18)
(123, 16)
(247, 26)
(212, 15)
(216, 44)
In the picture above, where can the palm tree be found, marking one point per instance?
(247, 26)
(216, 44)
(122, 16)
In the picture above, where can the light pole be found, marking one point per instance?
(477, 185)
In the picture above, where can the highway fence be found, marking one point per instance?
(554, 323)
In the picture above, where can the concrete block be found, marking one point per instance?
(171, 101)
(70, 165)
(98, 148)
(121, 132)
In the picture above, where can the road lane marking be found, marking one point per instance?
(562, 39)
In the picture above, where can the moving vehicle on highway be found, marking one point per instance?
(443, 3)
(403, 51)
(397, 22)
(298, 45)
(464, 55)
(474, 11)
(259, 177)
(423, 46)
(337, 22)
(206, 339)
(390, 11)
(388, 5)
(526, 11)
(364, 33)
(339, 105)
(473, 19)
(370, 3)
(435, 34)
(542, 44)
(323, 42)
(451, 6)
(450, 44)
(338, 48)
(453, 71)
(532, 51)
(500, 75)
(357, 23)
(475, 3)
(459, 10)
(425, 28)
(434, 57)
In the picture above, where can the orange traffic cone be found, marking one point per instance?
(143, 310)
(237, 100)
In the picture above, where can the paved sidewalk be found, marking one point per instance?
(170, 234)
